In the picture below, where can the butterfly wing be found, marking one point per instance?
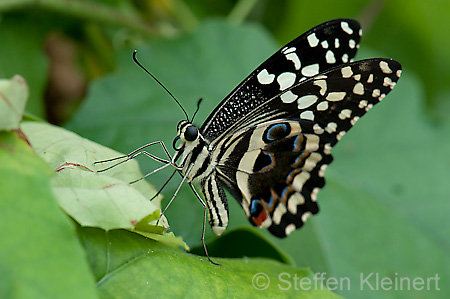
(319, 49)
(274, 165)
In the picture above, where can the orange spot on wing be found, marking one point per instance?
(261, 218)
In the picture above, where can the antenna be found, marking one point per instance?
(173, 97)
(196, 110)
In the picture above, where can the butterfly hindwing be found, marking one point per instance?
(319, 49)
(278, 173)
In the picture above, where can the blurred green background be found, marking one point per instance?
(386, 202)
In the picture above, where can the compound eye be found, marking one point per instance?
(191, 133)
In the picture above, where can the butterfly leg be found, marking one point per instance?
(204, 224)
(164, 185)
(175, 193)
(138, 152)
(152, 172)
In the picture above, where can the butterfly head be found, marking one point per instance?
(186, 133)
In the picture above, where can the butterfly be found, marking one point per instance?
(268, 142)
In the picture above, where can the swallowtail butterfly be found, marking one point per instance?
(268, 142)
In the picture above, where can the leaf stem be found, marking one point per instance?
(183, 14)
(241, 10)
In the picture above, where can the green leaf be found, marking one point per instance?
(126, 264)
(13, 97)
(92, 199)
(251, 244)
(40, 256)
(105, 200)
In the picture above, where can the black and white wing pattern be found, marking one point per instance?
(276, 165)
(315, 51)
(268, 143)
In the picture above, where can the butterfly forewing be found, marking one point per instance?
(319, 49)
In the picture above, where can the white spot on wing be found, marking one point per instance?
(312, 143)
(318, 129)
(358, 89)
(314, 194)
(336, 43)
(288, 97)
(313, 40)
(362, 104)
(346, 72)
(308, 115)
(322, 170)
(311, 162)
(345, 113)
(322, 106)
(264, 77)
(294, 200)
(339, 135)
(305, 216)
(388, 82)
(345, 58)
(310, 70)
(329, 56)
(354, 120)
(324, 44)
(376, 93)
(336, 96)
(384, 66)
(290, 228)
(323, 86)
(299, 180)
(294, 58)
(346, 28)
(351, 43)
(278, 213)
(286, 80)
(287, 50)
(306, 101)
(331, 127)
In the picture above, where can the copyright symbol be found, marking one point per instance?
(261, 281)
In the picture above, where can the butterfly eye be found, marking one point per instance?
(175, 144)
(191, 133)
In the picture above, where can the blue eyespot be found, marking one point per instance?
(254, 206)
(276, 132)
